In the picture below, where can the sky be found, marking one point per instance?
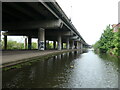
(90, 17)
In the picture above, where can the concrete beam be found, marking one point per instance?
(41, 10)
(23, 10)
(74, 37)
(46, 24)
(56, 33)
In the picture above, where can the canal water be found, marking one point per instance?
(67, 70)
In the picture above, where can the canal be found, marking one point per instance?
(67, 70)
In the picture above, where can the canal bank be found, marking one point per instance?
(10, 58)
(66, 70)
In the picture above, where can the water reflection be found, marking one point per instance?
(67, 70)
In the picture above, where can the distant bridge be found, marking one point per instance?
(42, 20)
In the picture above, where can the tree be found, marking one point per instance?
(109, 42)
(116, 43)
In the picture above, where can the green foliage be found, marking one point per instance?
(116, 42)
(109, 42)
(15, 45)
(34, 45)
(49, 45)
(64, 45)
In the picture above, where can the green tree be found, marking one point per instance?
(109, 42)
(116, 43)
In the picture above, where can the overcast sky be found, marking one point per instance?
(90, 17)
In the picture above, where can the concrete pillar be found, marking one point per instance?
(73, 44)
(68, 44)
(45, 45)
(59, 42)
(41, 39)
(61, 45)
(78, 46)
(48, 44)
(81, 46)
(29, 42)
(54, 44)
(25, 44)
(5, 42)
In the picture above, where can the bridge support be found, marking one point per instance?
(81, 46)
(73, 44)
(41, 39)
(59, 42)
(78, 45)
(29, 42)
(45, 45)
(67, 44)
(25, 43)
(62, 45)
(54, 44)
(5, 42)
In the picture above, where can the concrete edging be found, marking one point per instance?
(9, 64)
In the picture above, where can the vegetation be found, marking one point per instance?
(34, 45)
(109, 42)
(15, 45)
(49, 45)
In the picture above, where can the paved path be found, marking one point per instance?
(17, 55)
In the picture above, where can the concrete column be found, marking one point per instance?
(59, 42)
(54, 44)
(78, 46)
(68, 44)
(61, 45)
(45, 45)
(25, 44)
(29, 42)
(73, 44)
(48, 45)
(81, 46)
(41, 39)
(5, 42)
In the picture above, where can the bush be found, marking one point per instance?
(109, 42)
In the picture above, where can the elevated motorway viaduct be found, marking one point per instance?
(42, 20)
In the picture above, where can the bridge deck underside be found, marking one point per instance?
(26, 18)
